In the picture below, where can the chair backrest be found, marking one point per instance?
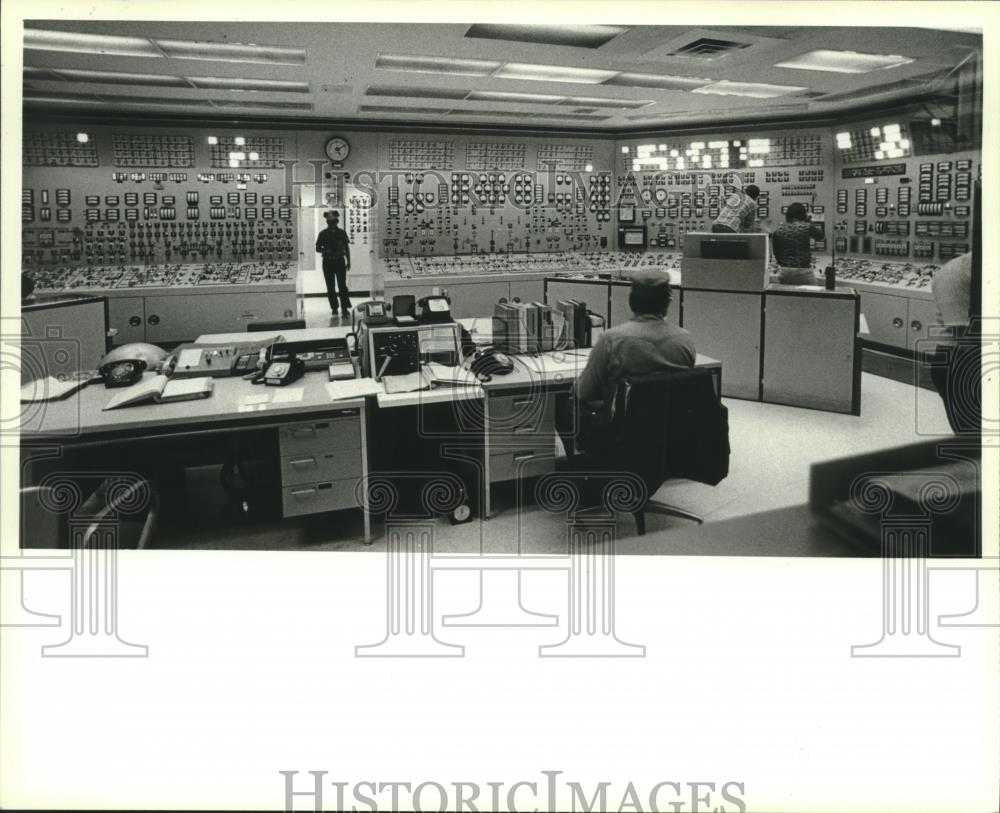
(671, 425)
(276, 324)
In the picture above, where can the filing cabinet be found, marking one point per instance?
(322, 463)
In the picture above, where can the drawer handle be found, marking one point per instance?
(916, 324)
(302, 492)
(524, 455)
(305, 461)
(521, 402)
(897, 322)
(302, 431)
(324, 486)
(527, 429)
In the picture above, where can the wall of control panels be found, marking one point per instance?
(670, 186)
(144, 197)
(460, 195)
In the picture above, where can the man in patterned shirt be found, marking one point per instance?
(790, 242)
(740, 211)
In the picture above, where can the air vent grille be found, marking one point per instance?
(709, 48)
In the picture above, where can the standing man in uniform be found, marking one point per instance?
(335, 247)
(740, 211)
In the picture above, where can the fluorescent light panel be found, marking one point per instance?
(415, 92)
(844, 62)
(236, 83)
(748, 89)
(261, 105)
(574, 36)
(114, 45)
(377, 108)
(553, 73)
(653, 80)
(597, 101)
(120, 78)
(513, 96)
(231, 52)
(435, 64)
(101, 44)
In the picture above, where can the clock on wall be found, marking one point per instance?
(337, 149)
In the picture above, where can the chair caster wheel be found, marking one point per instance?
(461, 514)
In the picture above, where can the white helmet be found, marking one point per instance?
(137, 351)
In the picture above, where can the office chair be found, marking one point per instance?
(132, 530)
(42, 527)
(663, 426)
(276, 324)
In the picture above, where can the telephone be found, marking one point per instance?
(489, 362)
(124, 365)
(122, 373)
(283, 370)
(434, 309)
(374, 313)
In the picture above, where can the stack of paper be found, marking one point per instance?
(354, 388)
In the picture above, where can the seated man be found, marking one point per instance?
(647, 343)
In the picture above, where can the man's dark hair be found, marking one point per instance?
(645, 299)
(752, 191)
(795, 211)
(331, 214)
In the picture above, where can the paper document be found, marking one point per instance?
(50, 389)
(288, 395)
(411, 382)
(354, 388)
(442, 374)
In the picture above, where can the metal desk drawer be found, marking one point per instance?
(313, 436)
(314, 498)
(320, 466)
(522, 463)
(515, 414)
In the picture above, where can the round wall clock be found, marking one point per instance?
(337, 149)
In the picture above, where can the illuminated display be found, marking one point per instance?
(888, 142)
(746, 153)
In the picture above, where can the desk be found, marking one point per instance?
(515, 434)
(308, 425)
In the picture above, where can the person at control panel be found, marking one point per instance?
(790, 242)
(647, 343)
(335, 246)
(740, 211)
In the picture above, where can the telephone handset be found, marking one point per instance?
(489, 362)
(283, 371)
(122, 373)
(434, 309)
(374, 313)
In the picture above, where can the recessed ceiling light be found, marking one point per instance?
(844, 62)
(376, 108)
(235, 83)
(113, 45)
(435, 64)
(749, 89)
(576, 36)
(553, 73)
(158, 101)
(596, 101)
(654, 80)
(513, 96)
(121, 78)
(101, 44)
(249, 105)
(231, 52)
(416, 92)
